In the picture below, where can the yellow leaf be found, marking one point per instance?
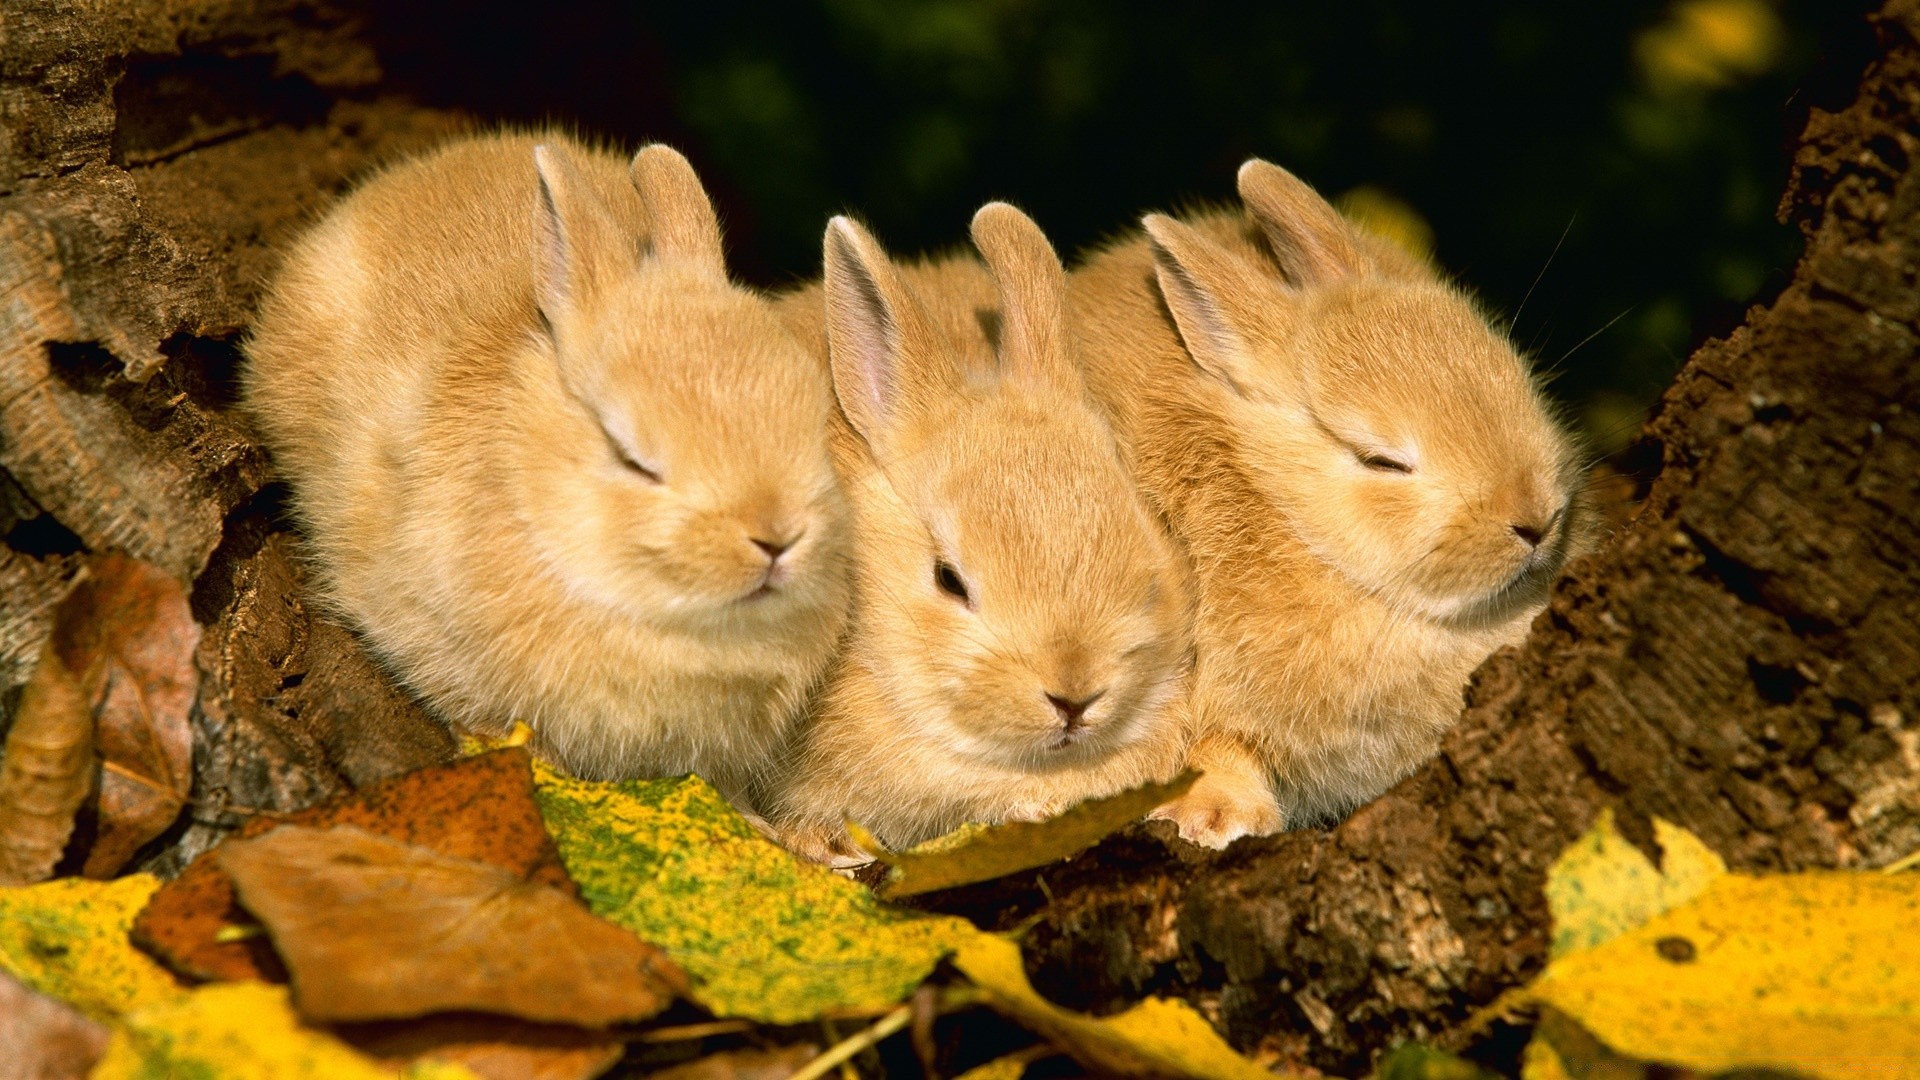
(68, 940)
(1603, 886)
(764, 935)
(982, 853)
(1805, 972)
(242, 1031)
(1011, 1067)
(1157, 1038)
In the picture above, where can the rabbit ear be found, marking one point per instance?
(1213, 296)
(679, 214)
(1310, 239)
(873, 323)
(578, 245)
(1033, 296)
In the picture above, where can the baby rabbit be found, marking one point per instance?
(1367, 479)
(1020, 623)
(552, 463)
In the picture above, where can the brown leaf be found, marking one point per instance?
(491, 1047)
(480, 808)
(43, 1039)
(775, 1064)
(373, 929)
(46, 772)
(127, 631)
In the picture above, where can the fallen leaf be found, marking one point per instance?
(1416, 1061)
(67, 939)
(491, 1047)
(775, 1064)
(1155, 1038)
(1602, 886)
(1790, 972)
(763, 934)
(479, 808)
(46, 772)
(127, 633)
(373, 929)
(988, 852)
(243, 1031)
(43, 1039)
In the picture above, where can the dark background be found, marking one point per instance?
(1652, 136)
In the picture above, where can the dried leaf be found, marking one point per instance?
(128, 633)
(491, 1047)
(373, 929)
(46, 772)
(479, 808)
(1602, 886)
(1792, 972)
(764, 935)
(1155, 1038)
(1011, 1067)
(775, 1064)
(985, 853)
(243, 1031)
(67, 939)
(43, 1039)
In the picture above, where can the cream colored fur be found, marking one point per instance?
(1271, 376)
(996, 463)
(467, 371)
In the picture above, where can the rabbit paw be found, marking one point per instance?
(829, 847)
(1034, 810)
(1217, 811)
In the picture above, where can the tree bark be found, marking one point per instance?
(151, 156)
(1741, 660)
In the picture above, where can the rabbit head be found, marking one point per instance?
(1017, 603)
(1400, 434)
(698, 489)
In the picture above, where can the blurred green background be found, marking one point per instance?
(1647, 142)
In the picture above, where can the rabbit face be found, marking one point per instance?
(1017, 603)
(1039, 624)
(1408, 446)
(697, 489)
(1402, 438)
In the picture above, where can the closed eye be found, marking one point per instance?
(1381, 462)
(633, 464)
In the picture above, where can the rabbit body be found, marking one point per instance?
(551, 463)
(1368, 483)
(1021, 625)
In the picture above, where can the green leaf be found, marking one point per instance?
(982, 853)
(68, 940)
(243, 1031)
(764, 935)
(1416, 1061)
(1156, 1038)
(1603, 886)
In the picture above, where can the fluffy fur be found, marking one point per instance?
(1364, 473)
(1005, 557)
(552, 463)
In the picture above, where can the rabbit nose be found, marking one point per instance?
(774, 548)
(1533, 534)
(1071, 711)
